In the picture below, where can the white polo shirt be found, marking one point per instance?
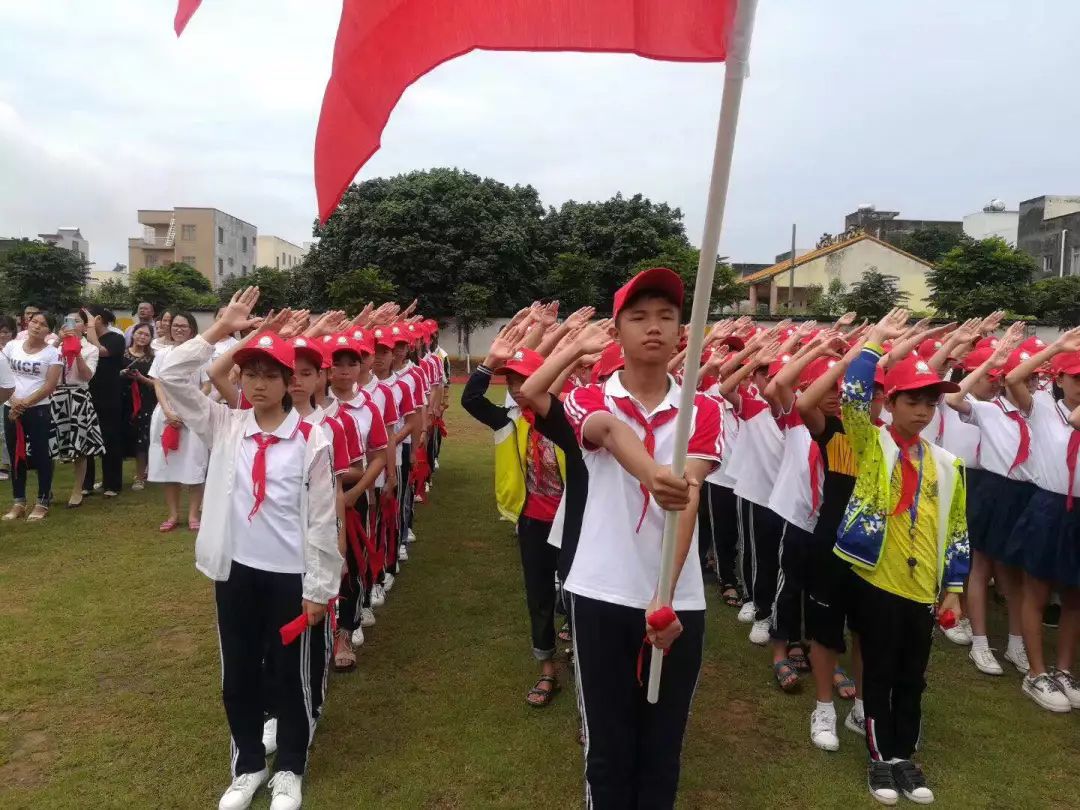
(756, 460)
(792, 496)
(616, 561)
(273, 539)
(1050, 432)
(999, 437)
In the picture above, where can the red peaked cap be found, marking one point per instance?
(1033, 344)
(1066, 363)
(302, 347)
(1021, 355)
(976, 358)
(268, 345)
(399, 333)
(524, 362)
(816, 369)
(611, 360)
(911, 375)
(343, 342)
(660, 279)
(364, 339)
(382, 336)
(928, 348)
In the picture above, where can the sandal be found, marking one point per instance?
(842, 682)
(39, 512)
(731, 598)
(564, 634)
(167, 526)
(194, 525)
(17, 512)
(545, 695)
(798, 658)
(786, 675)
(344, 657)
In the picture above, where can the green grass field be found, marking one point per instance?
(109, 685)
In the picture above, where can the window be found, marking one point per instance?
(151, 261)
(188, 260)
(220, 267)
(284, 259)
(221, 236)
(231, 262)
(1048, 264)
(277, 263)
(243, 244)
(243, 270)
(187, 233)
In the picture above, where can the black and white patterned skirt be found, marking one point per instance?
(76, 431)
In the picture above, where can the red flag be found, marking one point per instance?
(184, 10)
(383, 46)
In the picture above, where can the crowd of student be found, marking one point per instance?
(848, 484)
(305, 446)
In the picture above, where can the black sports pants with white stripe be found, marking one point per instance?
(251, 607)
(632, 748)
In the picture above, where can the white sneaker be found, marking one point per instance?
(388, 582)
(747, 612)
(1046, 691)
(411, 538)
(242, 790)
(270, 735)
(965, 625)
(956, 635)
(427, 487)
(358, 637)
(435, 466)
(1018, 658)
(285, 790)
(984, 661)
(403, 553)
(1069, 684)
(378, 597)
(823, 730)
(759, 633)
(855, 722)
(367, 617)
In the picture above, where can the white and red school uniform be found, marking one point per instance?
(950, 432)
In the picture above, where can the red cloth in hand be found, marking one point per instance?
(170, 440)
(70, 349)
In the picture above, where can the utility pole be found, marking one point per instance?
(791, 275)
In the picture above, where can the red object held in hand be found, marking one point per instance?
(662, 618)
(947, 619)
(293, 630)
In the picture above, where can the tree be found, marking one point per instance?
(356, 288)
(683, 259)
(1057, 301)
(42, 275)
(828, 304)
(112, 294)
(929, 244)
(163, 288)
(471, 306)
(874, 295)
(277, 289)
(189, 277)
(977, 278)
(573, 281)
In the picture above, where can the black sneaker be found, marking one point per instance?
(911, 782)
(879, 778)
(1051, 615)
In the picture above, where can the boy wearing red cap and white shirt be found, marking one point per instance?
(404, 369)
(632, 747)
(269, 540)
(905, 534)
(1049, 528)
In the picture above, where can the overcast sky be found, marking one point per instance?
(925, 107)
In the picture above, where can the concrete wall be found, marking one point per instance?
(1041, 236)
(985, 224)
(236, 249)
(281, 254)
(195, 240)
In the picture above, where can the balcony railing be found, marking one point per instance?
(155, 241)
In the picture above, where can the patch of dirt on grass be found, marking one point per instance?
(32, 756)
(177, 641)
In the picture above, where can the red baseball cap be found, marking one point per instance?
(989, 342)
(879, 376)
(733, 342)
(1021, 355)
(611, 360)
(398, 333)
(1033, 344)
(309, 349)
(343, 342)
(364, 339)
(928, 348)
(778, 363)
(976, 358)
(1065, 363)
(816, 369)
(432, 326)
(382, 336)
(525, 362)
(271, 346)
(661, 279)
(415, 332)
(911, 375)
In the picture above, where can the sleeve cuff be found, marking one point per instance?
(875, 348)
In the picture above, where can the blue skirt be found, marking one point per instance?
(1050, 538)
(994, 508)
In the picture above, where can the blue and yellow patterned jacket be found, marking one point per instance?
(861, 537)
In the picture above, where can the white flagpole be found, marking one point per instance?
(734, 73)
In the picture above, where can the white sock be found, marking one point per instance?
(1016, 643)
(857, 709)
(979, 643)
(828, 708)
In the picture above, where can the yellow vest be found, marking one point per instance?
(511, 456)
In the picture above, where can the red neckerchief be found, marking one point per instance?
(1070, 455)
(909, 476)
(136, 399)
(258, 470)
(1024, 448)
(627, 406)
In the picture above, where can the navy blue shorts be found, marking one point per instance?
(1049, 535)
(994, 507)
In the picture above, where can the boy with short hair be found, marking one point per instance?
(905, 533)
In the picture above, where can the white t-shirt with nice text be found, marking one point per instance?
(30, 370)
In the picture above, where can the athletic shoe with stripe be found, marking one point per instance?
(285, 791)
(911, 782)
(1069, 685)
(747, 612)
(1046, 691)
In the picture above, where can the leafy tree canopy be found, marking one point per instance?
(977, 278)
(874, 295)
(43, 275)
(356, 288)
(113, 294)
(166, 288)
(1057, 301)
(930, 244)
(277, 288)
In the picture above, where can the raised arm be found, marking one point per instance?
(592, 340)
(781, 388)
(1016, 380)
(809, 404)
(958, 400)
(858, 389)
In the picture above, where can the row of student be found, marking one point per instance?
(311, 430)
(831, 511)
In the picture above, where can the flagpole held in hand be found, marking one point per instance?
(734, 75)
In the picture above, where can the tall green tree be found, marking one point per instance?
(572, 280)
(1057, 301)
(930, 244)
(112, 294)
(163, 288)
(277, 289)
(471, 305)
(874, 295)
(43, 275)
(354, 289)
(828, 304)
(977, 278)
(683, 258)
(187, 276)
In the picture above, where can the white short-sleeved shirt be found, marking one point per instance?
(756, 460)
(999, 437)
(949, 432)
(90, 355)
(616, 561)
(273, 539)
(1050, 432)
(792, 497)
(223, 346)
(7, 376)
(730, 428)
(30, 370)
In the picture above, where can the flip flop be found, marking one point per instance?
(194, 525)
(731, 598)
(167, 526)
(799, 659)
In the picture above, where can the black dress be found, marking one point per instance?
(137, 419)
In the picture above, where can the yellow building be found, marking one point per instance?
(846, 260)
(281, 254)
(216, 244)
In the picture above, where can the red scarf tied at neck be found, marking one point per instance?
(627, 406)
(258, 470)
(909, 476)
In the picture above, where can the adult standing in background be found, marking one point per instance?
(144, 314)
(139, 397)
(162, 332)
(105, 393)
(8, 328)
(29, 312)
